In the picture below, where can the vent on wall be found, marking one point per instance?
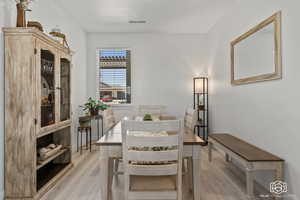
(137, 21)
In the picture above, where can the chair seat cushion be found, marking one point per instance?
(152, 183)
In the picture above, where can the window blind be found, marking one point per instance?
(113, 77)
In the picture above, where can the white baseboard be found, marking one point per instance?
(1, 195)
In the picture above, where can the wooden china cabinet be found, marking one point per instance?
(37, 112)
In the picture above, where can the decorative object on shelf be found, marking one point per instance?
(200, 85)
(47, 66)
(201, 107)
(58, 35)
(93, 106)
(147, 117)
(46, 152)
(45, 90)
(22, 7)
(35, 24)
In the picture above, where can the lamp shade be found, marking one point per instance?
(199, 83)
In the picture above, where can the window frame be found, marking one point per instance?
(98, 73)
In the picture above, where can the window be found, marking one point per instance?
(114, 75)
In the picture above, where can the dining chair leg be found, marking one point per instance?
(116, 167)
(190, 173)
(185, 165)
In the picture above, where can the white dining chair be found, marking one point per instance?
(190, 120)
(155, 110)
(150, 174)
(109, 120)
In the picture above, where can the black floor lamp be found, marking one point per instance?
(200, 85)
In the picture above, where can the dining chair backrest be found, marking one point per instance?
(156, 110)
(108, 119)
(140, 152)
(190, 120)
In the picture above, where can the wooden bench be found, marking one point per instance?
(250, 156)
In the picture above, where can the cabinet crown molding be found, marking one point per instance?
(36, 33)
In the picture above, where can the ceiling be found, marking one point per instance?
(162, 16)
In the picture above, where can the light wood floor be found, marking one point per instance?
(220, 181)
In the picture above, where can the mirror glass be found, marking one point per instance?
(255, 54)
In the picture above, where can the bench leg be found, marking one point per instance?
(280, 172)
(279, 176)
(227, 157)
(210, 151)
(250, 183)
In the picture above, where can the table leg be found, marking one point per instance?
(196, 172)
(110, 177)
(104, 173)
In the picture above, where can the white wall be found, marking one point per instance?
(163, 66)
(265, 114)
(3, 22)
(50, 15)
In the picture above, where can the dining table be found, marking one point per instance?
(110, 148)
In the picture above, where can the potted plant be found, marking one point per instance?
(93, 106)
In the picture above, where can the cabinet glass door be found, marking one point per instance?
(47, 88)
(65, 89)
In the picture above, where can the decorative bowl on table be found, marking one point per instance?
(147, 117)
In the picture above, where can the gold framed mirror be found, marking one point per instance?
(256, 55)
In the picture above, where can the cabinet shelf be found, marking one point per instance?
(54, 127)
(51, 158)
(48, 179)
(47, 105)
(45, 73)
